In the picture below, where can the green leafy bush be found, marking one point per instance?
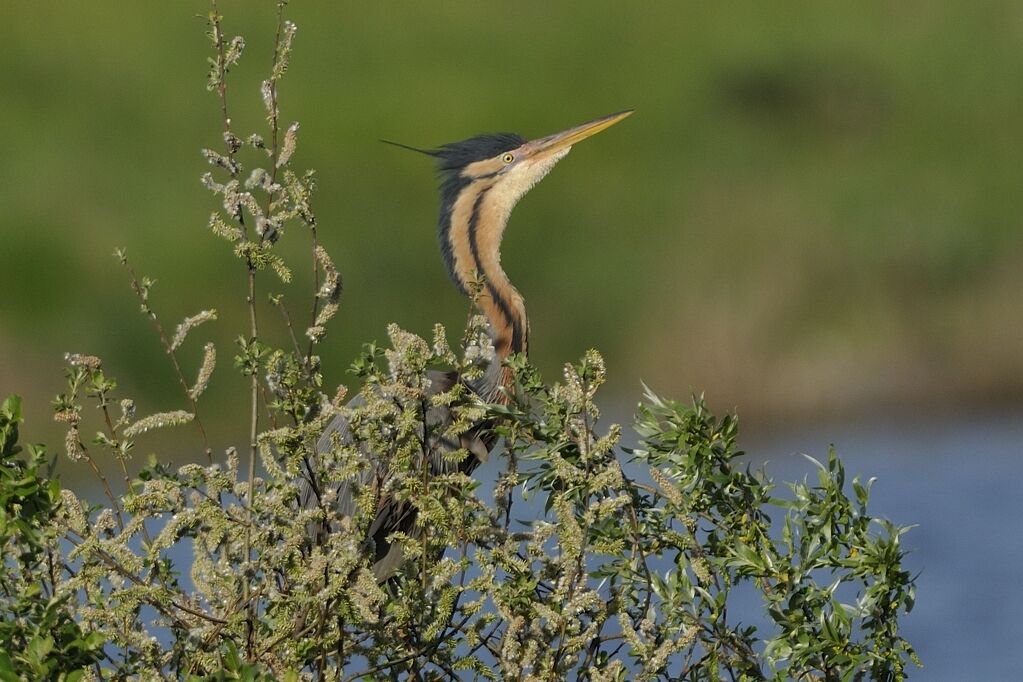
(42, 639)
(630, 571)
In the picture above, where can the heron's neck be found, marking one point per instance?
(472, 238)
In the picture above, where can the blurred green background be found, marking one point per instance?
(814, 211)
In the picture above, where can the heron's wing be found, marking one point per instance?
(393, 516)
(310, 488)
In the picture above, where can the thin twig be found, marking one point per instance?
(279, 302)
(106, 486)
(316, 293)
(273, 118)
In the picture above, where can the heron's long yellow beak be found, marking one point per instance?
(567, 138)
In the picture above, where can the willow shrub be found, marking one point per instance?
(627, 565)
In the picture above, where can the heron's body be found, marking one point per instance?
(482, 179)
(394, 516)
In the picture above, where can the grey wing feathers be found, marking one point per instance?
(345, 499)
(391, 515)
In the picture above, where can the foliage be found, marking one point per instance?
(628, 572)
(42, 639)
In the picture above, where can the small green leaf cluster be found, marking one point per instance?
(830, 575)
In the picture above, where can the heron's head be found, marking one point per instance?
(508, 165)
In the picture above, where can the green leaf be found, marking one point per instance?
(39, 647)
(10, 417)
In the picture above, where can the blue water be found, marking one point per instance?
(959, 480)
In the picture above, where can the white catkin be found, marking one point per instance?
(288, 145)
(190, 323)
(330, 290)
(158, 421)
(234, 51)
(267, 93)
(80, 360)
(218, 159)
(326, 313)
(257, 178)
(73, 445)
(209, 361)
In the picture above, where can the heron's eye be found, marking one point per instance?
(508, 158)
